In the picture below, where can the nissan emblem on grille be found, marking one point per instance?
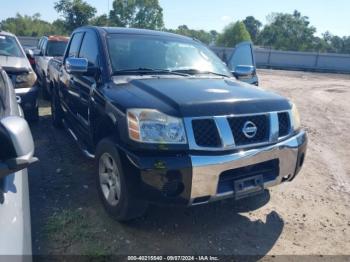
(249, 129)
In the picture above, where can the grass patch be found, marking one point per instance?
(71, 231)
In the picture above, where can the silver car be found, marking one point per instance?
(16, 154)
(14, 61)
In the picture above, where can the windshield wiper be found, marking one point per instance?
(193, 71)
(144, 70)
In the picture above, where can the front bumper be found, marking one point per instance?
(196, 178)
(28, 97)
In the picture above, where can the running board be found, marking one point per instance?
(84, 150)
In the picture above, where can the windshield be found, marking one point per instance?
(132, 52)
(56, 48)
(9, 46)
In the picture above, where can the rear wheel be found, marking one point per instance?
(112, 184)
(56, 111)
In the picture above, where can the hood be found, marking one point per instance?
(12, 62)
(193, 97)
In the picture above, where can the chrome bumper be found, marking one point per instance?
(206, 170)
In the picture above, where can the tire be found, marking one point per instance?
(116, 199)
(56, 111)
(44, 91)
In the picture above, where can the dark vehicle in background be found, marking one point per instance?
(48, 48)
(168, 123)
(14, 61)
(16, 154)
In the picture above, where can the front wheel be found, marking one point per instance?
(56, 111)
(112, 184)
(44, 88)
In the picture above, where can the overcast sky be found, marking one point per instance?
(332, 15)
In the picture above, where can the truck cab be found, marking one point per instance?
(167, 122)
(48, 48)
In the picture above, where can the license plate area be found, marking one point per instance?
(248, 186)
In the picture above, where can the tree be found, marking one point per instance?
(59, 28)
(253, 26)
(76, 13)
(26, 25)
(137, 13)
(122, 14)
(149, 15)
(214, 36)
(101, 20)
(288, 32)
(346, 45)
(233, 34)
(201, 35)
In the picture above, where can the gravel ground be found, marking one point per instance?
(311, 215)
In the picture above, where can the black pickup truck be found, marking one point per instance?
(168, 123)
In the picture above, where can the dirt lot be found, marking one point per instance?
(311, 215)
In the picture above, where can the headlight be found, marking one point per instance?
(295, 117)
(26, 80)
(152, 126)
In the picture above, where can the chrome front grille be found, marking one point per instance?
(263, 129)
(228, 132)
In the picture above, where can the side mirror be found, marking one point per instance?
(17, 146)
(76, 65)
(81, 66)
(30, 56)
(29, 53)
(37, 52)
(243, 71)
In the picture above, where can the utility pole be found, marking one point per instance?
(107, 12)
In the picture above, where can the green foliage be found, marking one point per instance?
(288, 32)
(233, 34)
(58, 27)
(101, 20)
(203, 36)
(137, 13)
(76, 13)
(27, 25)
(253, 26)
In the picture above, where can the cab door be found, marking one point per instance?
(69, 90)
(87, 83)
(242, 63)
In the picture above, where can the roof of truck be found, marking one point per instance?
(58, 38)
(123, 30)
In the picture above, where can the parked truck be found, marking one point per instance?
(48, 48)
(169, 123)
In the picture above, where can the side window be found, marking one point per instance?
(39, 44)
(89, 48)
(242, 56)
(75, 45)
(43, 49)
